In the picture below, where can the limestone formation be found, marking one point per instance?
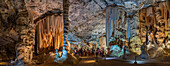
(32, 28)
(153, 25)
(15, 21)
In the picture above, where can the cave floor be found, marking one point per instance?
(112, 61)
(107, 61)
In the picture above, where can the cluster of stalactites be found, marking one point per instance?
(115, 24)
(50, 33)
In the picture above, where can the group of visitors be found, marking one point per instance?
(89, 52)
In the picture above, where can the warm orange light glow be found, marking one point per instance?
(90, 61)
(3, 63)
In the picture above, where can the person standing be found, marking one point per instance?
(87, 52)
(97, 52)
(92, 50)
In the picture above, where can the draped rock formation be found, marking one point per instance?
(154, 28)
(115, 23)
(49, 31)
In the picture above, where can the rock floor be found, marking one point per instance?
(108, 61)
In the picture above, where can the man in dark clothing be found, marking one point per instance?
(81, 52)
(92, 52)
(97, 51)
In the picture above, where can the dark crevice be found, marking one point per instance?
(3, 21)
(105, 2)
(98, 4)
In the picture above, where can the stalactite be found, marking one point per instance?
(107, 29)
(38, 38)
(114, 28)
(48, 24)
(53, 27)
(40, 35)
(61, 32)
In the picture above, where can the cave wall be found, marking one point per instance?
(17, 31)
(154, 28)
(17, 28)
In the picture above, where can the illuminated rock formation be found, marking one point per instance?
(153, 25)
(17, 24)
(49, 31)
(143, 26)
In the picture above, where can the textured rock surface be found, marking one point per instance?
(87, 18)
(17, 33)
(153, 28)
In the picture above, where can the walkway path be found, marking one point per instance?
(90, 61)
(109, 61)
(87, 61)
